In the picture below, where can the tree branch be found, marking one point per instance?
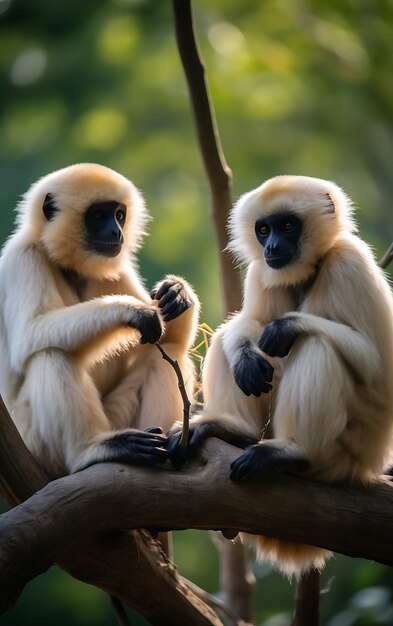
(387, 258)
(352, 520)
(218, 172)
(125, 565)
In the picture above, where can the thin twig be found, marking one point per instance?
(186, 402)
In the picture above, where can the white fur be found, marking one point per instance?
(72, 369)
(333, 394)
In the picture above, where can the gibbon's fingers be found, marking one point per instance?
(183, 306)
(173, 299)
(170, 307)
(253, 373)
(168, 291)
(156, 429)
(261, 458)
(197, 434)
(251, 463)
(136, 447)
(153, 455)
(174, 453)
(148, 322)
(278, 337)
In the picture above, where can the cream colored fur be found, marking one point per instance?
(72, 371)
(332, 396)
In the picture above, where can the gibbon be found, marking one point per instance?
(310, 355)
(74, 315)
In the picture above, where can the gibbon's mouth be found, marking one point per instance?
(107, 248)
(278, 262)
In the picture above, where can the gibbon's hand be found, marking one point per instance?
(278, 337)
(173, 299)
(142, 447)
(197, 434)
(148, 322)
(261, 458)
(252, 372)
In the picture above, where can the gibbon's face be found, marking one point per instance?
(279, 234)
(88, 218)
(104, 223)
(286, 225)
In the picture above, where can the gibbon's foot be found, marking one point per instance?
(260, 458)
(144, 447)
(197, 435)
(252, 372)
(173, 299)
(178, 456)
(148, 322)
(278, 337)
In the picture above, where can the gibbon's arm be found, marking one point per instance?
(260, 306)
(36, 319)
(355, 348)
(353, 300)
(252, 371)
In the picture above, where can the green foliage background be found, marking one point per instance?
(299, 87)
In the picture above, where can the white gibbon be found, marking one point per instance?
(74, 315)
(312, 347)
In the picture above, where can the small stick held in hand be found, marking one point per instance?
(186, 402)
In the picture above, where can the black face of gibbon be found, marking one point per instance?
(279, 234)
(104, 223)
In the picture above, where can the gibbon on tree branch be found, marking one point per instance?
(69, 522)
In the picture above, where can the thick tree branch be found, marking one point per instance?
(350, 520)
(125, 564)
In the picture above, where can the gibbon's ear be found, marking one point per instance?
(330, 204)
(49, 208)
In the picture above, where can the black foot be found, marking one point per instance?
(261, 458)
(143, 447)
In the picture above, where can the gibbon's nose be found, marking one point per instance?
(118, 235)
(272, 248)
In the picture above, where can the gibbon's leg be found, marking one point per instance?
(228, 413)
(310, 416)
(67, 419)
(122, 404)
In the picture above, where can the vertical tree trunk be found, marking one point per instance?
(234, 575)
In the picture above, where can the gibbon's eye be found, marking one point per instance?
(98, 215)
(264, 230)
(287, 226)
(120, 216)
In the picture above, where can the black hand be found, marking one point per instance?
(279, 336)
(258, 459)
(197, 434)
(173, 299)
(148, 322)
(139, 447)
(252, 372)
